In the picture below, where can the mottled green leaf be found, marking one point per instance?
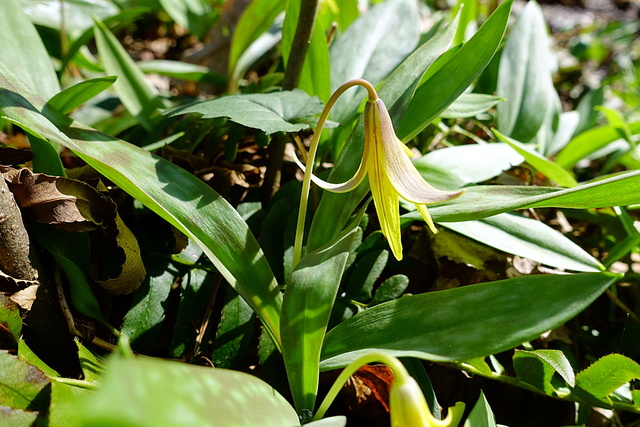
(21, 384)
(270, 112)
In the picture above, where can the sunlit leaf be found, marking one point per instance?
(306, 309)
(270, 112)
(467, 322)
(528, 238)
(152, 392)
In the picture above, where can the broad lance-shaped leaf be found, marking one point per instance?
(138, 96)
(160, 393)
(525, 77)
(306, 309)
(76, 95)
(269, 112)
(170, 191)
(484, 201)
(256, 19)
(467, 322)
(550, 169)
(23, 51)
(371, 48)
(528, 238)
(453, 78)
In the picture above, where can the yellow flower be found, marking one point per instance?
(391, 174)
(408, 406)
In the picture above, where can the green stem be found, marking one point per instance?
(399, 371)
(313, 148)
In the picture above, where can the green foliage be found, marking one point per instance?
(192, 176)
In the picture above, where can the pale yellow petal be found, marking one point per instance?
(385, 198)
(427, 218)
(402, 173)
(342, 187)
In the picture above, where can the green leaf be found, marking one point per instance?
(21, 384)
(469, 105)
(234, 332)
(118, 20)
(365, 274)
(176, 195)
(17, 417)
(550, 169)
(590, 141)
(197, 287)
(314, 76)
(335, 209)
(269, 112)
(538, 367)
(70, 251)
(525, 76)
(136, 93)
(152, 392)
(10, 320)
(390, 289)
(65, 401)
(92, 366)
(182, 71)
(616, 120)
(528, 238)
(27, 355)
(22, 50)
(467, 322)
(144, 319)
(452, 168)
(306, 309)
(481, 415)
(337, 421)
(189, 14)
(453, 78)
(78, 94)
(483, 201)
(607, 374)
(77, 13)
(363, 53)
(256, 19)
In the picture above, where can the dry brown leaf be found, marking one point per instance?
(73, 205)
(25, 297)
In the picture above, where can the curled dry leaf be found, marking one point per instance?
(73, 205)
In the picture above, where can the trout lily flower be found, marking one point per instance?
(386, 161)
(408, 406)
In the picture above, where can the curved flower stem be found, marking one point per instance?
(311, 157)
(399, 371)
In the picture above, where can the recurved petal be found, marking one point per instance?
(402, 174)
(342, 187)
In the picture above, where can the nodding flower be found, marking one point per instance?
(386, 161)
(408, 406)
